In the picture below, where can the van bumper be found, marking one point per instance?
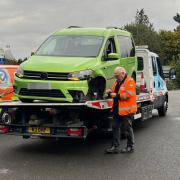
(57, 90)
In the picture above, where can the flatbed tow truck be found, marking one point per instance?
(77, 120)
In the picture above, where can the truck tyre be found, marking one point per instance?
(162, 111)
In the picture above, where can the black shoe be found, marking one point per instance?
(112, 150)
(128, 149)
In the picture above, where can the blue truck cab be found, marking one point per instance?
(150, 71)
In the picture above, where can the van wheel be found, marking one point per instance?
(96, 88)
(162, 111)
(26, 100)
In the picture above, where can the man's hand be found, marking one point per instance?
(108, 91)
(113, 95)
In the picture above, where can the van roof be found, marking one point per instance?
(92, 31)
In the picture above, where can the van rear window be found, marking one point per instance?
(140, 63)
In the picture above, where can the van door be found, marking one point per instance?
(108, 66)
(127, 50)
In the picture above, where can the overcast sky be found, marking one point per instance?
(24, 24)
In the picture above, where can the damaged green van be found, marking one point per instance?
(75, 64)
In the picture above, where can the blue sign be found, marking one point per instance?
(4, 78)
(2, 61)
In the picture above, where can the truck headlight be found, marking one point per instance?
(20, 72)
(81, 75)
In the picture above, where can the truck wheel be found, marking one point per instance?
(26, 100)
(162, 111)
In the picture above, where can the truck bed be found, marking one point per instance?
(98, 104)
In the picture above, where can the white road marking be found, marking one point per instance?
(4, 171)
(175, 118)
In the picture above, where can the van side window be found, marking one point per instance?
(110, 47)
(154, 66)
(140, 63)
(127, 46)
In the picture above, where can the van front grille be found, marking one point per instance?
(56, 93)
(45, 75)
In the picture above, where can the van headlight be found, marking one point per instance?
(20, 72)
(81, 75)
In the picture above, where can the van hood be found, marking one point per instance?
(58, 64)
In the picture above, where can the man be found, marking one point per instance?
(123, 93)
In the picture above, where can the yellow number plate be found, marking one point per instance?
(39, 130)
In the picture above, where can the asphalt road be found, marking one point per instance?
(157, 154)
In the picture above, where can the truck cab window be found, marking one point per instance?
(160, 70)
(154, 66)
(140, 63)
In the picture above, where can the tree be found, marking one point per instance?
(170, 43)
(143, 31)
(142, 18)
(177, 19)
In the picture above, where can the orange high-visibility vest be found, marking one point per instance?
(127, 102)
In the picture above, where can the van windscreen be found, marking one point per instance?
(71, 46)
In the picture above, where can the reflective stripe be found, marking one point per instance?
(123, 96)
(128, 108)
(131, 92)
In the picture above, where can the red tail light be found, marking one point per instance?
(4, 129)
(97, 104)
(75, 132)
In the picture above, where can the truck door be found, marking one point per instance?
(158, 82)
(161, 83)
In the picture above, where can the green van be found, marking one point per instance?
(75, 64)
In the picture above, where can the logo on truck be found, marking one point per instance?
(4, 78)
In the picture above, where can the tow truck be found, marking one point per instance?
(77, 120)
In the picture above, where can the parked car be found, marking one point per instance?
(75, 64)
(6, 82)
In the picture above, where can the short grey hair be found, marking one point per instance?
(120, 70)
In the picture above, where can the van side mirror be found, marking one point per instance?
(112, 56)
(32, 53)
(169, 72)
(172, 74)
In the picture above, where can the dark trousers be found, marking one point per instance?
(122, 124)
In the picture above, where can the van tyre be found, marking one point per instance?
(96, 89)
(162, 111)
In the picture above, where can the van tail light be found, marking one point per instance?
(74, 132)
(4, 129)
